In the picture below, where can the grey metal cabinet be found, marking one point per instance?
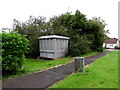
(53, 46)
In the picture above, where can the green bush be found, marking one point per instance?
(14, 46)
(79, 45)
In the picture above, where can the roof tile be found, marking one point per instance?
(111, 41)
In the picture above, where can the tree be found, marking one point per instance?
(85, 35)
(73, 26)
(33, 28)
(97, 32)
(56, 26)
(76, 23)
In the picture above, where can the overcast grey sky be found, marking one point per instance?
(22, 9)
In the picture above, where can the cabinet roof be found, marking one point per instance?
(53, 37)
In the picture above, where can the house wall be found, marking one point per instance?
(118, 43)
(103, 45)
(111, 45)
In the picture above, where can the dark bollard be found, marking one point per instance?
(79, 64)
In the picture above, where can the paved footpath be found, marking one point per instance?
(48, 77)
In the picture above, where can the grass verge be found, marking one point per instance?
(34, 65)
(101, 74)
(89, 54)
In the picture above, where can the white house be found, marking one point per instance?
(111, 43)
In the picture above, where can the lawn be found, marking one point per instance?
(89, 54)
(101, 74)
(34, 65)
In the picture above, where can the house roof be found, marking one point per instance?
(111, 41)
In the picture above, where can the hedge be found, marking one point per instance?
(14, 46)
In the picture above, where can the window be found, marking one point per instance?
(111, 45)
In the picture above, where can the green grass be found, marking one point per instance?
(101, 74)
(119, 69)
(34, 65)
(89, 54)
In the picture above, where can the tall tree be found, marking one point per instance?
(98, 33)
(33, 28)
(73, 26)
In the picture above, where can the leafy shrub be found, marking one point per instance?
(79, 45)
(14, 46)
